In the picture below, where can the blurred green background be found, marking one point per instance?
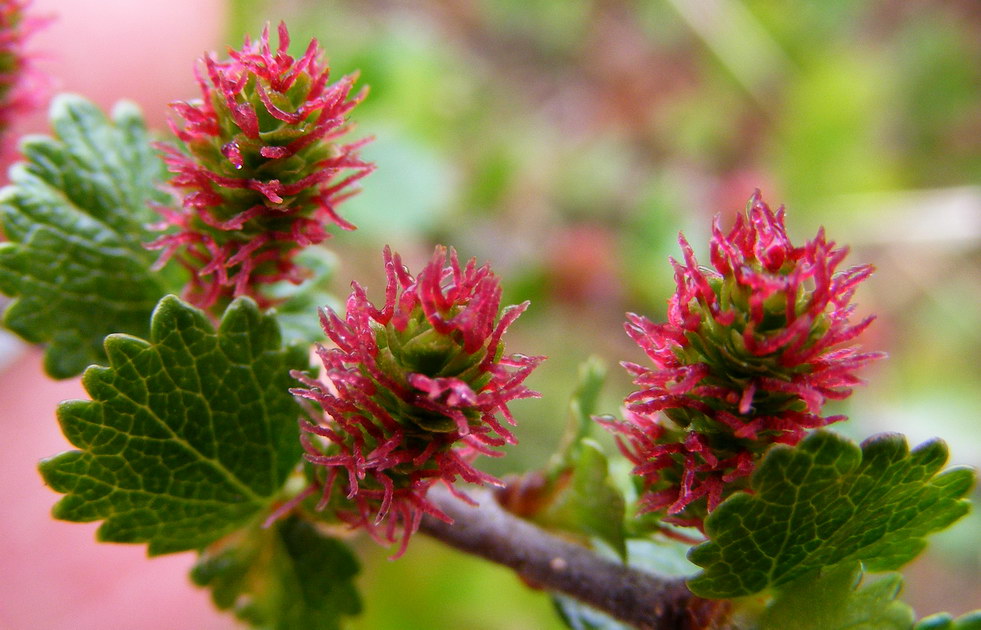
(567, 142)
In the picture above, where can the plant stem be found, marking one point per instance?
(644, 600)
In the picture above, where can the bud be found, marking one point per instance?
(751, 351)
(261, 169)
(413, 393)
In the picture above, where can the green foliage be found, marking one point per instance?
(844, 97)
(75, 216)
(583, 498)
(826, 501)
(586, 501)
(835, 599)
(943, 621)
(284, 577)
(661, 555)
(187, 435)
(582, 407)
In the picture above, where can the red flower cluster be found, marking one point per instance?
(749, 354)
(21, 88)
(261, 169)
(413, 392)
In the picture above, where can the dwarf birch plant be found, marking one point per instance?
(159, 272)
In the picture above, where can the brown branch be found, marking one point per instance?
(644, 600)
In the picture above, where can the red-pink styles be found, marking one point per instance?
(414, 391)
(22, 89)
(752, 349)
(261, 170)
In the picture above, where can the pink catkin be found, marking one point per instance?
(389, 432)
(256, 194)
(749, 355)
(22, 87)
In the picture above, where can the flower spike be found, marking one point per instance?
(412, 394)
(751, 351)
(261, 169)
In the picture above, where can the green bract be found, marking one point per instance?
(282, 578)
(187, 436)
(76, 216)
(826, 501)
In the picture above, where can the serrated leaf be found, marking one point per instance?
(75, 216)
(827, 501)
(285, 577)
(943, 621)
(586, 501)
(582, 407)
(835, 599)
(187, 435)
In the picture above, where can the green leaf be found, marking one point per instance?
(660, 555)
(75, 217)
(187, 436)
(585, 400)
(943, 621)
(581, 497)
(579, 616)
(826, 501)
(586, 501)
(835, 599)
(285, 577)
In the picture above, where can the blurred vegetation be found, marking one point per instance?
(568, 141)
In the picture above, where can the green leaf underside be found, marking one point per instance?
(660, 555)
(835, 599)
(579, 616)
(285, 577)
(187, 436)
(75, 218)
(588, 502)
(827, 501)
(943, 621)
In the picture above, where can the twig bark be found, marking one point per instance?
(643, 600)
